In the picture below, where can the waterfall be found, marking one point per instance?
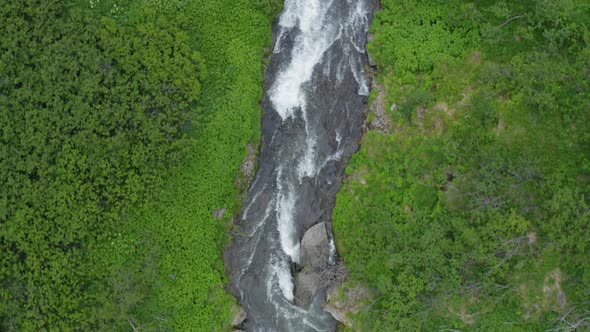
(315, 91)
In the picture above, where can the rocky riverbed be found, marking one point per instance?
(316, 90)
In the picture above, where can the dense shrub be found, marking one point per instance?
(472, 213)
(116, 144)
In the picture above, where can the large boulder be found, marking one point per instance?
(315, 247)
(307, 283)
(315, 252)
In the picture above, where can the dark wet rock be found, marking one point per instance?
(315, 247)
(219, 213)
(295, 268)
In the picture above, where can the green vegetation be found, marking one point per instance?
(122, 127)
(471, 213)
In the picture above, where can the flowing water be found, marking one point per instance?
(315, 91)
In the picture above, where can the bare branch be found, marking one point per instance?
(509, 20)
(132, 326)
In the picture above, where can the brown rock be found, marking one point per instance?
(219, 213)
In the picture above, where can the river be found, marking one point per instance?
(316, 89)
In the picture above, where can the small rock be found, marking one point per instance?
(315, 247)
(532, 237)
(239, 316)
(372, 62)
(561, 300)
(219, 213)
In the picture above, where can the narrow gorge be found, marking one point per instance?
(316, 89)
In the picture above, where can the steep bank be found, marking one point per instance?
(315, 90)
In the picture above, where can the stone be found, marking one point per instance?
(247, 168)
(378, 109)
(315, 247)
(239, 315)
(370, 38)
(307, 283)
(219, 213)
(561, 300)
(372, 62)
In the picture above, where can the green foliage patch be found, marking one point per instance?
(472, 213)
(117, 143)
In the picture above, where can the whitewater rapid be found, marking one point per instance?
(315, 91)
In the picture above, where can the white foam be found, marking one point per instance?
(254, 198)
(266, 215)
(332, 253)
(285, 280)
(359, 76)
(333, 157)
(339, 71)
(316, 37)
(308, 323)
(307, 165)
(358, 21)
(279, 274)
(285, 208)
